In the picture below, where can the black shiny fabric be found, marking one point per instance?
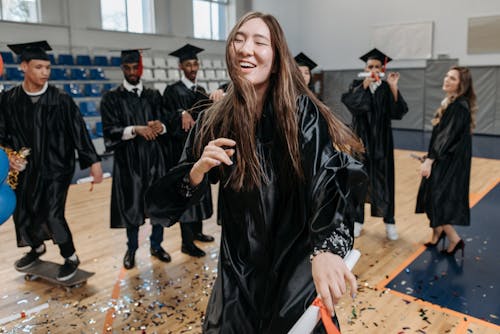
(53, 129)
(264, 281)
(176, 98)
(137, 162)
(444, 196)
(371, 120)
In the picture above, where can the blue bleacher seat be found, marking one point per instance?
(98, 129)
(73, 90)
(101, 61)
(116, 61)
(97, 74)
(13, 73)
(58, 74)
(108, 86)
(7, 57)
(83, 60)
(92, 89)
(79, 74)
(88, 108)
(90, 131)
(52, 59)
(65, 59)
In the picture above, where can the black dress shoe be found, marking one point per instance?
(203, 237)
(192, 250)
(129, 259)
(161, 254)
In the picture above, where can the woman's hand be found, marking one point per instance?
(215, 153)
(426, 168)
(330, 275)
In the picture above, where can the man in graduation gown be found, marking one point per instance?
(133, 120)
(373, 103)
(179, 98)
(40, 117)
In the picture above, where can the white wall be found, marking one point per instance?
(335, 32)
(76, 25)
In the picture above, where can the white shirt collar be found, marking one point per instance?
(129, 87)
(40, 92)
(188, 83)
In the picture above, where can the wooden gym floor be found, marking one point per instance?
(155, 297)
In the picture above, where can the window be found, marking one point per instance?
(128, 15)
(19, 10)
(210, 19)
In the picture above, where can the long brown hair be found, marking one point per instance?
(235, 116)
(465, 89)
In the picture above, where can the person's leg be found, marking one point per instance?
(188, 246)
(452, 235)
(37, 249)
(71, 261)
(390, 228)
(155, 240)
(197, 228)
(156, 237)
(359, 220)
(132, 245)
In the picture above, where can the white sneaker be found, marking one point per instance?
(390, 230)
(357, 229)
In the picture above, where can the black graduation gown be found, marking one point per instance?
(444, 196)
(264, 281)
(177, 97)
(371, 120)
(137, 162)
(53, 129)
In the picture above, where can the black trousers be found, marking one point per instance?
(189, 230)
(155, 239)
(65, 249)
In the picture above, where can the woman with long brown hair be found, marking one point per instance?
(288, 186)
(444, 190)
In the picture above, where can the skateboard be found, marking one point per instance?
(48, 270)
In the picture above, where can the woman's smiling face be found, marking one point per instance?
(254, 53)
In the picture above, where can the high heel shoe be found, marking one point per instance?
(459, 245)
(442, 236)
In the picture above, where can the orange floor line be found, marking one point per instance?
(440, 308)
(401, 267)
(115, 294)
(474, 198)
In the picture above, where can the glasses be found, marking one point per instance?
(373, 66)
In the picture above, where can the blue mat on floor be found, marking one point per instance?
(469, 285)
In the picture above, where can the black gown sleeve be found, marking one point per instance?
(169, 197)
(336, 184)
(454, 123)
(112, 124)
(357, 99)
(398, 108)
(87, 154)
(172, 104)
(4, 141)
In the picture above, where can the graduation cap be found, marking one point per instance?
(131, 55)
(187, 52)
(376, 54)
(303, 60)
(31, 50)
